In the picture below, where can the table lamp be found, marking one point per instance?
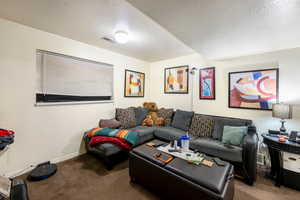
(282, 111)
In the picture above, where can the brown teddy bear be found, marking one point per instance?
(148, 121)
(152, 118)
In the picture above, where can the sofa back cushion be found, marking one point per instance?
(182, 120)
(140, 114)
(126, 117)
(167, 114)
(201, 126)
(220, 122)
(168, 133)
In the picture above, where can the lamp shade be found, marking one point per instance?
(282, 111)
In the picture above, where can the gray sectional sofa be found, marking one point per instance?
(243, 157)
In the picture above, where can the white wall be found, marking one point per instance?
(287, 60)
(52, 132)
(180, 101)
(288, 63)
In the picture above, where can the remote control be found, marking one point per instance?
(158, 145)
(219, 162)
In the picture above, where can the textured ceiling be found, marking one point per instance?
(228, 28)
(162, 29)
(89, 20)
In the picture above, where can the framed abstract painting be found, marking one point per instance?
(177, 80)
(207, 83)
(257, 89)
(134, 84)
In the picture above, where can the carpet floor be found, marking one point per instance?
(85, 177)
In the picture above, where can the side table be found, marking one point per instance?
(276, 150)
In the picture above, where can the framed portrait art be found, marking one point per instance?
(207, 83)
(134, 84)
(177, 80)
(257, 89)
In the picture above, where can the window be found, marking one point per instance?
(67, 79)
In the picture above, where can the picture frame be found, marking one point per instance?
(176, 80)
(134, 85)
(254, 89)
(207, 83)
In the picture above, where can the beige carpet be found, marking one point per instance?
(86, 178)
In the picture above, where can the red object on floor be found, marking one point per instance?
(113, 140)
(4, 132)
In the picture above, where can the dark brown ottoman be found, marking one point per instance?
(178, 179)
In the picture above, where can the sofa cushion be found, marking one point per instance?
(145, 134)
(168, 133)
(201, 126)
(109, 123)
(234, 135)
(216, 148)
(140, 114)
(167, 114)
(182, 120)
(126, 117)
(220, 122)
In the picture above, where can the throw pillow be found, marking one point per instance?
(201, 126)
(220, 122)
(182, 120)
(167, 114)
(140, 114)
(109, 123)
(234, 135)
(126, 117)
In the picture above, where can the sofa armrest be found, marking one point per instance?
(250, 144)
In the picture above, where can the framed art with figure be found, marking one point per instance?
(207, 83)
(134, 84)
(256, 89)
(176, 80)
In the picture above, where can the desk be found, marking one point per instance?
(275, 149)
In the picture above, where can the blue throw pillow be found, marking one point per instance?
(234, 135)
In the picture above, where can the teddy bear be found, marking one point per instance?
(152, 118)
(148, 121)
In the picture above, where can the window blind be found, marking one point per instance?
(65, 78)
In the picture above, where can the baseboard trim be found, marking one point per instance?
(66, 157)
(54, 160)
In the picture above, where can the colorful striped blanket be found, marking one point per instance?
(130, 135)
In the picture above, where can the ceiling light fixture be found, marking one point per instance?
(121, 37)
